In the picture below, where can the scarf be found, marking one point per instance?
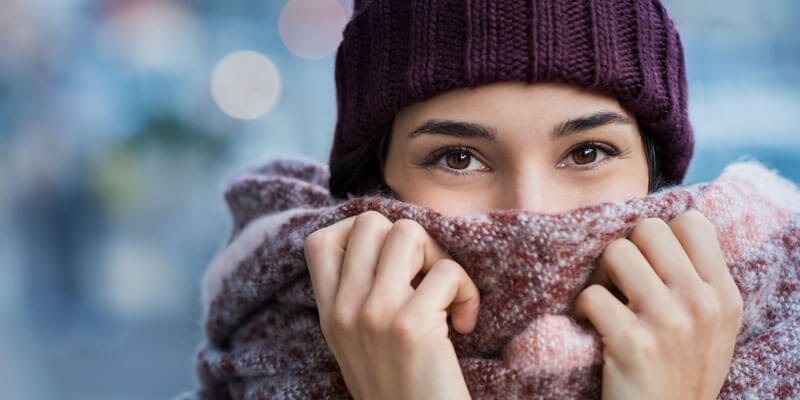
(263, 340)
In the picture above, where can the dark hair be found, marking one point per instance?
(360, 172)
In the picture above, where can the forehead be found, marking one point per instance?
(510, 105)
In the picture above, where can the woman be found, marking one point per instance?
(543, 106)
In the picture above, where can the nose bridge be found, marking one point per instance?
(527, 189)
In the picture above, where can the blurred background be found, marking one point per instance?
(121, 120)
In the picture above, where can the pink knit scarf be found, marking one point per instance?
(262, 337)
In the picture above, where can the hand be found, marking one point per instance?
(390, 338)
(675, 336)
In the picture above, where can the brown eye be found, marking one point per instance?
(584, 155)
(455, 160)
(589, 155)
(458, 160)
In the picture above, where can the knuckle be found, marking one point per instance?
(447, 267)
(372, 316)
(371, 219)
(587, 297)
(641, 344)
(678, 326)
(403, 328)
(646, 346)
(313, 240)
(649, 226)
(588, 294)
(340, 322)
(695, 216)
(705, 309)
(617, 248)
(696, 220)
(319, 241)
(407, 226)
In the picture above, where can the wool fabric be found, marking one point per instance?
(398, 52)
(263, 340)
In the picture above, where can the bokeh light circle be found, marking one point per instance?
(312, 29)
(245, 84)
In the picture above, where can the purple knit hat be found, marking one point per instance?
(398, 52)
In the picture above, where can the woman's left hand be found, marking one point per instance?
(674, 337)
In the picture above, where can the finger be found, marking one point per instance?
(657, 242)
(407, 251)
(445, 286)
(600, 277)
(361, 257)
(324, 252)
(698, 237)
(603, 310)
(627, 269)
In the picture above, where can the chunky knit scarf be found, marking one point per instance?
(262, 336)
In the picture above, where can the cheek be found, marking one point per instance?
(624, 184)
(446, 201)
(628, 180)
(617, 192)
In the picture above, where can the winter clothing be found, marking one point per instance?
(263, 339)
(398, 52)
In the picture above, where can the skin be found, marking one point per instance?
(663, 299)
(524, 167)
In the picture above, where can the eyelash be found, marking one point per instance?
(434, 157)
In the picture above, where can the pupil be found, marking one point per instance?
(585, 155)
(458, 160)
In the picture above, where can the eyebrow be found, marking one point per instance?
(464, 129)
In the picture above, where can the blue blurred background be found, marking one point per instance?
(121, 120)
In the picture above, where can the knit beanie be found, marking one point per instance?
(398, 52)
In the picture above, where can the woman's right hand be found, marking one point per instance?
(389, 337)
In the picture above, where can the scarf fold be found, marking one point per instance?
(262, 336)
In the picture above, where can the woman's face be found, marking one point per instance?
(542, 147)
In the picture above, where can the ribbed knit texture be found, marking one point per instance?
(397, 52)
(263, 340)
